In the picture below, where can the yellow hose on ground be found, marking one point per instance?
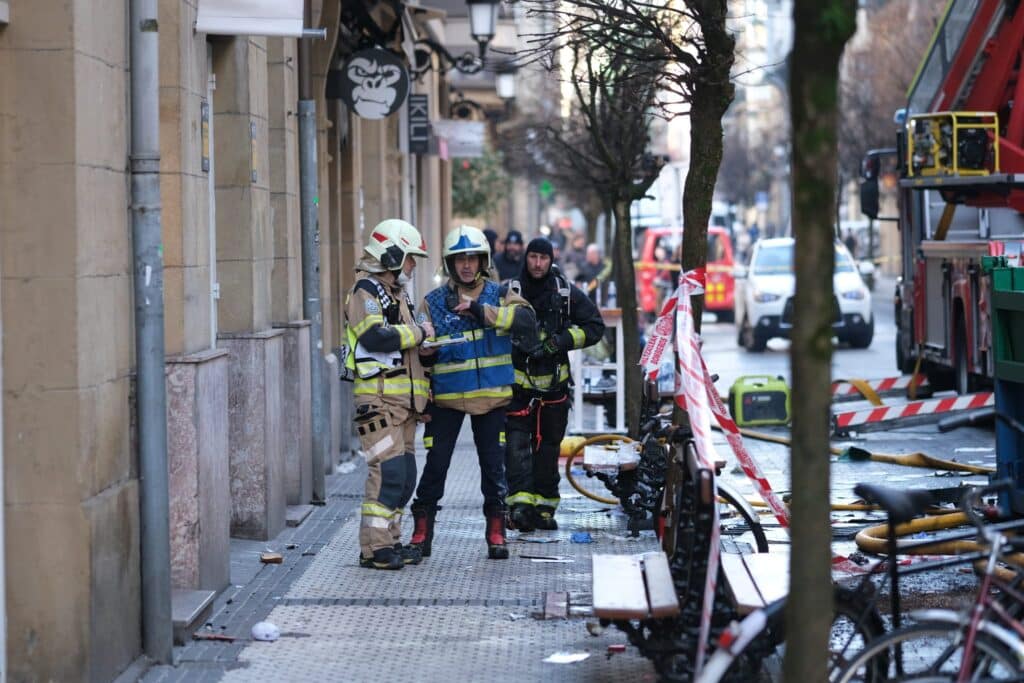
(865, 389)
(908, 459)
(874, 540)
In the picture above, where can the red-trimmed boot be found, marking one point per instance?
(496, 548)
(423, 527)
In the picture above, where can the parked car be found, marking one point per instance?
(656, 277)
(764, 298)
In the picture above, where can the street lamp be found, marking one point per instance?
(483, 22)
(505, 83)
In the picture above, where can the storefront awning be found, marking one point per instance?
(250, 17)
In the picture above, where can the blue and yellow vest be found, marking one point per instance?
(479, 368)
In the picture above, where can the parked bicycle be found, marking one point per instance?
(985, 643)
(938, 645)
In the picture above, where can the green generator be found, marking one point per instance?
(759, 400)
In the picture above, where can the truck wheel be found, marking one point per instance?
(725, 316)
(904, 361)
(962, 380)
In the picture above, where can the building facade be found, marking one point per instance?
(238, 352)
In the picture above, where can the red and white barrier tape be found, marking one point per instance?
(856, 418)
(692, 396)
(843, 388)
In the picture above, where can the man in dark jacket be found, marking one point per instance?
(510, 262)
(539, 413)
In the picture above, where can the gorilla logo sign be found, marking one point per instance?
(373, 83)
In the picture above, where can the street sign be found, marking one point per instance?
(419, 124)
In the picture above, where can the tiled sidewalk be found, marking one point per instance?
(456, 617)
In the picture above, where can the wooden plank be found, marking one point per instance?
(770, 573)
(739, 584)
(619, 591)
(661, 592)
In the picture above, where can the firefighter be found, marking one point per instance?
(390, 387)
(472, 375)
(537, 417)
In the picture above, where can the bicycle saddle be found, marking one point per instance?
(902, 505)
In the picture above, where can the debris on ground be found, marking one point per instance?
(581, 537)
(271, 558)
(566, 657)
(265, 631)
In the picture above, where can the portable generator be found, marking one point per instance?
(759, 400)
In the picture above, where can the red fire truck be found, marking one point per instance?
(960, 159)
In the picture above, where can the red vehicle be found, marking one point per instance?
(960, 159)
(658, 270)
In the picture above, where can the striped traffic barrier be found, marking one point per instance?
(908, 414)
(861, 389)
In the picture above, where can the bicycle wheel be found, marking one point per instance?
(855, 623)
(929, 653)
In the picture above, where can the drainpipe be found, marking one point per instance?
(311, 307)
(151, 398)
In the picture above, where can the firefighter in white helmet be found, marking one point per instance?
(471, 377)
(390, 388)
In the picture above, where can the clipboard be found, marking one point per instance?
(435, 343)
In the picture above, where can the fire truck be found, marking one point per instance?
(960, 162)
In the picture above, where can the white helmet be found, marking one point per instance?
(466, 239)
(392, 240)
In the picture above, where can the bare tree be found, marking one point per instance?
(821, 29)
(602, 147)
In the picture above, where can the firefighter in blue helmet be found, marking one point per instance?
(470, 375)
(539, 412)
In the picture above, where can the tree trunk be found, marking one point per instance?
(625, 292)
(712, 94)
(821, 29)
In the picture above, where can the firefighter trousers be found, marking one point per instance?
(535, 430)
(387, 435)
(439, 437)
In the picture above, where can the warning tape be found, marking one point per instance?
(692, 396)
(853, 389)
(915, 412)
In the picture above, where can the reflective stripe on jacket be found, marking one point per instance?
(480, 367)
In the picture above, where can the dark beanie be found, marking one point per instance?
(514, 237)
(540, 245)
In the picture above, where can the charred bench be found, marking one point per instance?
(657, 598)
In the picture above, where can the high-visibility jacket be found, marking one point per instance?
(566, 315)
(475, 376)
(383, 337)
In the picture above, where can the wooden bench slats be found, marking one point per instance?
(739, 584)
(661, 591)
(619, 591)
(756, 579)
(770, 572)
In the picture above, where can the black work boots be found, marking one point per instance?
(385, 558)
(544, 518)
(423, 527)
(495, 534)
(520, 518)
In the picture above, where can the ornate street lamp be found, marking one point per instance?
(483, 22)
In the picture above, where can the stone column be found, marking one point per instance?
(255, 438)
(197, 453)
(295, 413)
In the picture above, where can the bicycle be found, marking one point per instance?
(857, 624)
(985, 644)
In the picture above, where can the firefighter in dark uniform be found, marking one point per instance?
(471, 377)
(390, 387)
(537, 417)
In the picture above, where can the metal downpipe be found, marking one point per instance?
(151, 398)
(311, 304)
